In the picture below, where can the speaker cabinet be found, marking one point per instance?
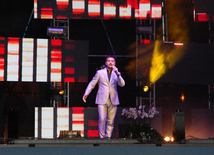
(178, 123)
(13, 124)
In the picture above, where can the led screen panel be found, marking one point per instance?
(27, 60)
(62, 120)
(97, 9)
(47, 123)
(43, 60)
(203, 10)
(13, 59)
(2, 59)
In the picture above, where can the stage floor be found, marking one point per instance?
(104, 147)
(99, 142)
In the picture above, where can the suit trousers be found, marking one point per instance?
(107, 113)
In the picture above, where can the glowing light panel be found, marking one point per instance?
(78, 119)
(46, 13)
(56, 67)
(125, 12)
(94, 8)
(62, 119)
(93, 133)
(156, 11)
(42, 60)
(35, 9)
(47, 122)
(13, 59)
(78, 6)
(109, 10)
(203, 17)
(2, 52)
(104, 9)
(36, 122)
(62, 4)
(27, 59)
(144, 9)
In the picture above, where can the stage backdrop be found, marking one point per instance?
(43, 60)
(50, 121)
(97, 9)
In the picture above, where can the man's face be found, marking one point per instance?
(110, 62)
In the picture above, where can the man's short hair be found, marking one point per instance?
(110, 56)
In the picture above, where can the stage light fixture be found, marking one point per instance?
(56, 94)
(144, 29)
(168, 139)
(56, 32)
(182, 97)
(143, 90)
(61, 92)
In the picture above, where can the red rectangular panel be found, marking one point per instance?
(93, 133)
(77, 109)
(83, 79)
(93, 123)
(133, 3)
(203, 17)
(78, 119)
(69, 79)
(145, 41)
(69, 59)
(56, 65)
(56, 42)
(2, 49)
(1, 68)
(69, 70)
(1, 63)
(69, 46)
(46, 13)
(56, 55)
(62, 4)
(77, 122)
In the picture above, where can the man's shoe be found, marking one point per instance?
(107, 138)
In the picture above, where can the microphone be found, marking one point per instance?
(115, 71)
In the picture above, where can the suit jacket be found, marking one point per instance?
(105, 87)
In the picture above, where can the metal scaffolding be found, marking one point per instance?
(145, 29)
(211, 87)
(61, 23)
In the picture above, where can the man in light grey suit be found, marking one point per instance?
(107, 96)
